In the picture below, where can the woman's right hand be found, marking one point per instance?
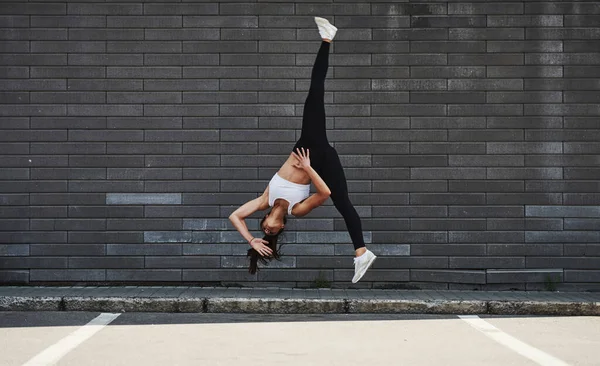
(260, 246)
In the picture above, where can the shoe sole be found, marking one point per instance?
(365, 271)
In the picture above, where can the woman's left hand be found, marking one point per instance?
(303, 158)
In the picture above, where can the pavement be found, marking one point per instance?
(190, 299)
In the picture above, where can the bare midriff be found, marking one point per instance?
(293, 174)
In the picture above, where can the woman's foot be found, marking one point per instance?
(326, 29)
(361, 264)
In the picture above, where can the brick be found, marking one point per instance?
(372, 122)
(143, 249)
(70, 21)
(256, 84)
(14, 123)
(243, 262)
(257, 9)
(582, 173)
(485, 84)
(68, 97)
(218, 275)
(447, 198)
(486, 211)
(256, 59)
(486, 8)
(458, 276)
(10, 250)
(281, 97)
(143, 97)
(564, 7)
(525, 198)
(486, 160)
(447, 148)
(562, 58)
(255, 34)
(183, 34)
(525, 46)
(524, 173)
(37, 34)
(580, 224)
(448, 173)
(49, 275)
(524, 148)
(485, 135)
(123, 34)
(409, 59)
(218, 122)
(104, 84)
(486, 262)
(525, 122)
(447, 72)
(180, 262)
(181, 60)
(105, 110)
(408, 84)
(14, 276)
(525, 97)
(257, 110)
(562, 84)
(138, 275)
(562, 236)
(214, 21)
(581, 148)
(562, 211)
(580, 46)
(485, 109)
(581, 276)
(14, 72)
(31, 84)
(143, 72)
(369, 72)
(562, 109)
(409, 160)
(562, 134)
(408, 110)
(581, 20)
(524, 20)
(562, 33)
(13, 8)
(581, 97)
(486, 34)
(358, 47)
(106, 262)
(563, 262)
(488, 59)
(447, 122)
(410, 34)
(581, 71)
(106, 59)
(408, 9)
(447, 249)
(14, 21)
(561, 186)
(135, 21)
(32, 110)
(410, 262)
(294, 275)
(355, 147)
(184, 9)
(220, 47)
(143, 46)
(447, 46)
(14, 97)
(180, 85)
(365, 21)
(525, 71)
(104, 9)
(410, 135)
(67, 249)
(66, 72)
(424, 21)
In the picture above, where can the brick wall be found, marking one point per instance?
(469, 133)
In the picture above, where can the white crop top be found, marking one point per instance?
(289, 191)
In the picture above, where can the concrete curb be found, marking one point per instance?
(296, 306)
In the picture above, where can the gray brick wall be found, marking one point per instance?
(469, 132)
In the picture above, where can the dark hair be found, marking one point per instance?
(272, 239)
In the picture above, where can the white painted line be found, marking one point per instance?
(55, 352)
(522, 348)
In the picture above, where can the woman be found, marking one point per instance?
(312, 160)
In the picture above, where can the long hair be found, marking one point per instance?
(256, 256)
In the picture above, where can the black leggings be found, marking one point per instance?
(323, 157)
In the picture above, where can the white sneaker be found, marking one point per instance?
(326, 29)
(361, 264)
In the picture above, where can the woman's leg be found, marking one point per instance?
(313, 115)
(333, 174)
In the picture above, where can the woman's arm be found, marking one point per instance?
(247, 209)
